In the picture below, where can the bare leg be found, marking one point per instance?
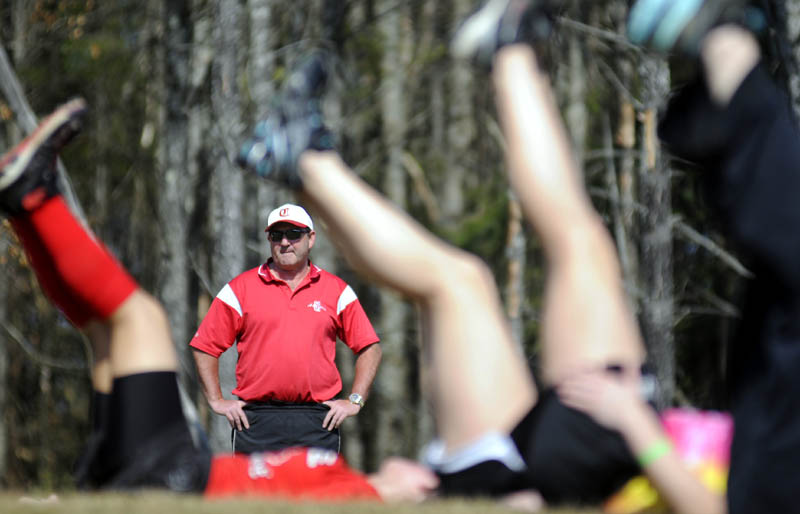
(479, 382)
(587, 322)
(135, 339)
(136, 401)
(126, 326)
(140, 338)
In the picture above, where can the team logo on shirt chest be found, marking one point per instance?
(317, 306)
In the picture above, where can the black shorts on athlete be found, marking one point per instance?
(143, 441)
(566, 456)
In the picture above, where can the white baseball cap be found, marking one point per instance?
(290, 213)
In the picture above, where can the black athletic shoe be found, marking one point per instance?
(499, 23)
(680, 25)
(294, 126)
(28, 171)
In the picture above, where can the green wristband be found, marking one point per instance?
(654, 452)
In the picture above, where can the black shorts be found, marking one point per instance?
(144, 440)
(276, 426)
(567, 457)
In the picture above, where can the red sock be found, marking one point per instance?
(78, 273)
(73, 307)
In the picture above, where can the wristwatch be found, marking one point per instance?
(356, 399)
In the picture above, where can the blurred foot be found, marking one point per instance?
(294, 126)
(680, 25)
(28, 171)
(499, 23)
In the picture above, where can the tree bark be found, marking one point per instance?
(228, 192)
(461, 129)
(621, 181)
(656, 235)
(576, 116)
(516, 257)
(394, 428)
(175, 198)
(793, 35)
(261, 69)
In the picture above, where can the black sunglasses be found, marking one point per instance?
(291, 234)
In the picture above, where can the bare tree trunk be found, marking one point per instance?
(515, 286)
(621, 182)
(619, 227)
(395, 427)
(656, 236)
(793, 35)
(18, 48)
(199, 166)
(228, 184)
(576, 116)
(437, 104)
(20, 13)
(101, 171)
(45, 461)
(461, 129)
(174, 199)
(261, 69)
(436, 145)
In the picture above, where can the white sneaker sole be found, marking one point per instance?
(467, 41)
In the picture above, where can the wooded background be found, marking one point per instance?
(175, 85)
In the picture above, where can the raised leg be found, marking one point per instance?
(140, 437)
(478, 381)
(587, 321)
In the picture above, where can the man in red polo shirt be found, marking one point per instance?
(285, 317)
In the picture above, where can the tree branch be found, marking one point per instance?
(421, 186)
(605, 35)
(696, 237)
(41, 360)
(691, 234)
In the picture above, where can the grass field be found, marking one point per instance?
(158, 502)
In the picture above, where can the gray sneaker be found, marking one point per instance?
(294, 126)
(499, 23)
(28, 173)
(680, 25)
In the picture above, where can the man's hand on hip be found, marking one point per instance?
(231, 409)
(340, 410)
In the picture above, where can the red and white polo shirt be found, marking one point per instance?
(286, 339)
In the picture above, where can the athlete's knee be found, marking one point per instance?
(467, 274)
(141, 308)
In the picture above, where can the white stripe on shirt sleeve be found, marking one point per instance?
(229, 297)
(347, 297)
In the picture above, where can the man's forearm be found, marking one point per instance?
(366, 368)
(208, 373)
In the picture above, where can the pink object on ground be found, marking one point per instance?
(700, 436)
